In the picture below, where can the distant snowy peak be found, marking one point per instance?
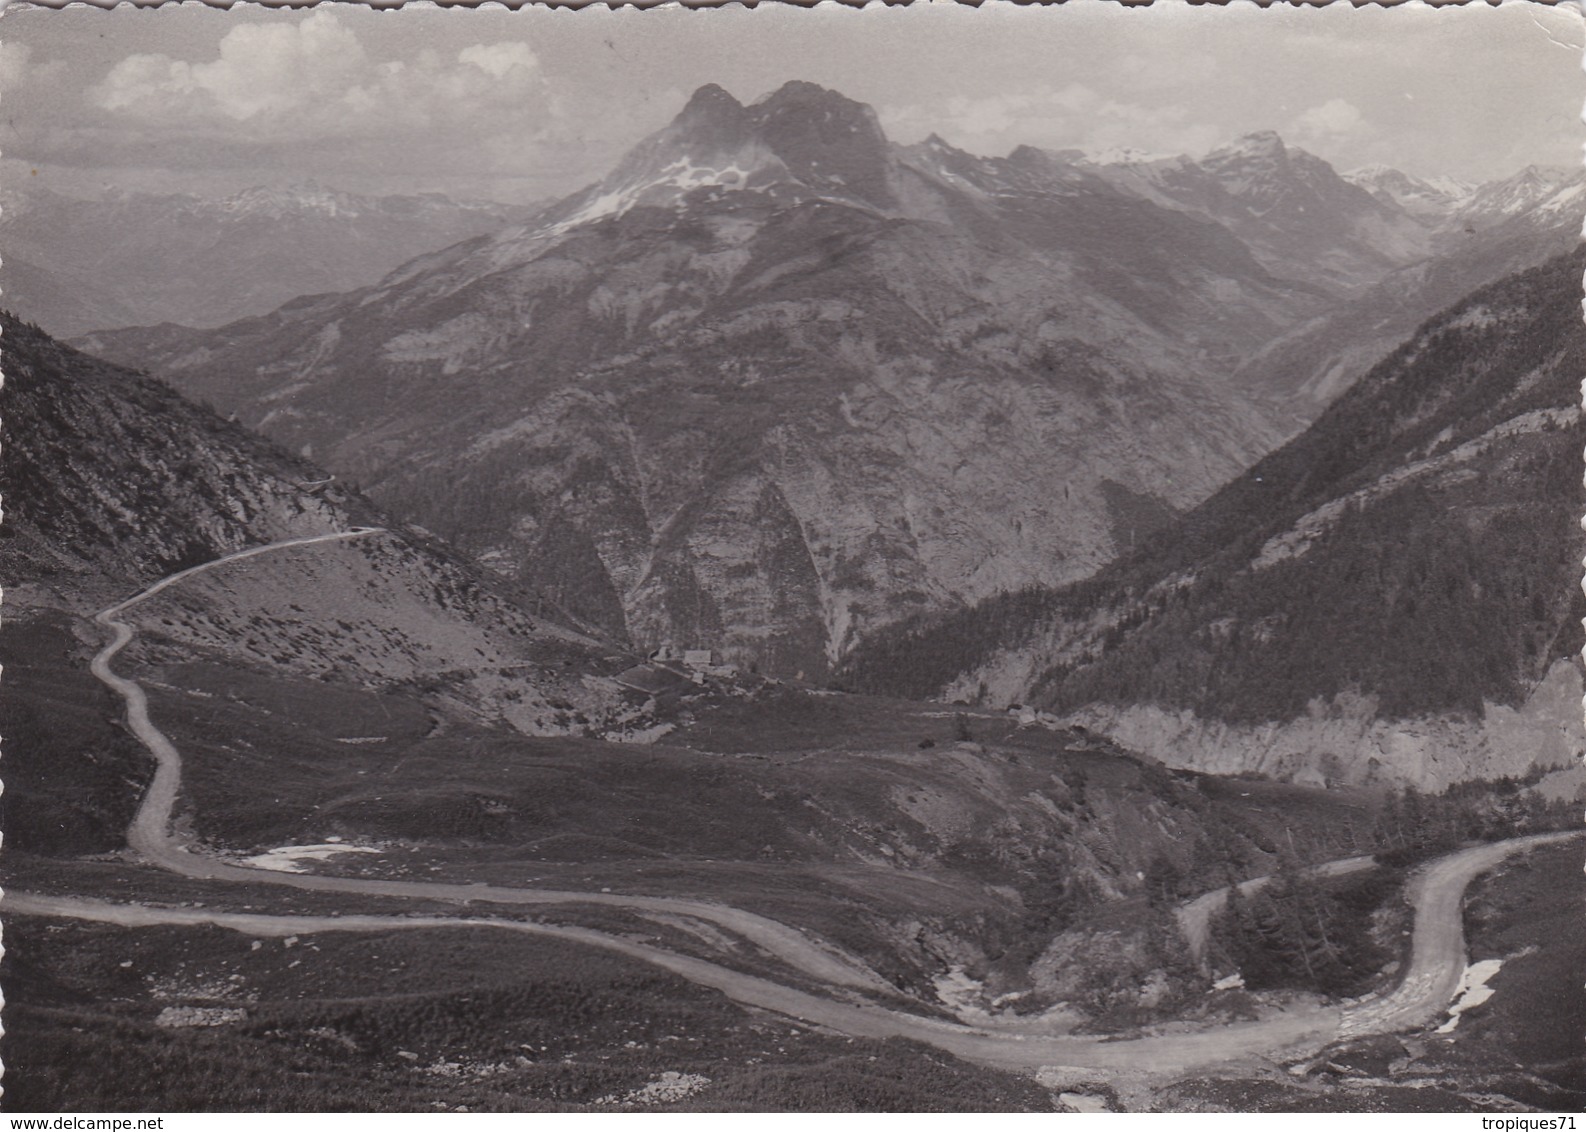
(1539, 191)
(1258, 170)
(309, 198)
(1536, 187)
(1416, 195)
(1570, 198)
(1126, 155)
(1262, 169)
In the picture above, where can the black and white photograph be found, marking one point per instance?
(887, 559)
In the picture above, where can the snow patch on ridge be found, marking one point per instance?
(288, 858)
(682, 175)
(1472, 992)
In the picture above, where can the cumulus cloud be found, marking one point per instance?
(500, 60)
(1338, 131)
(314, 80)
(1331, 120)
(322, 95)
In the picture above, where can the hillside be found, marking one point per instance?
(116, 481)
(118, 478)
(1392, 593)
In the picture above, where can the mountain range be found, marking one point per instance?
(73, 264)
(1478, 235)
(776, 383)
(1289, 207)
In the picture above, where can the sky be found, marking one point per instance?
(520, 106)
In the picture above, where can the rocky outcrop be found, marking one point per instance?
(1347, 742)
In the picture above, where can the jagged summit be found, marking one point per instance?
(711, 95)
(1123, 155)
(797, 141)
(712, 115)
(1534, 189)
(827, 140)
(801, 92)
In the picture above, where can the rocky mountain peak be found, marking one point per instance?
(826, 139)
(708, 96)
(935, 143)
(1525, 191)
(1261, 162)
(800, 137)
(799, 96)
(712, 117)
(1284, 185)
(1546, 174)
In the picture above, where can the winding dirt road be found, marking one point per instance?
(1437, 960)
(150, 833)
